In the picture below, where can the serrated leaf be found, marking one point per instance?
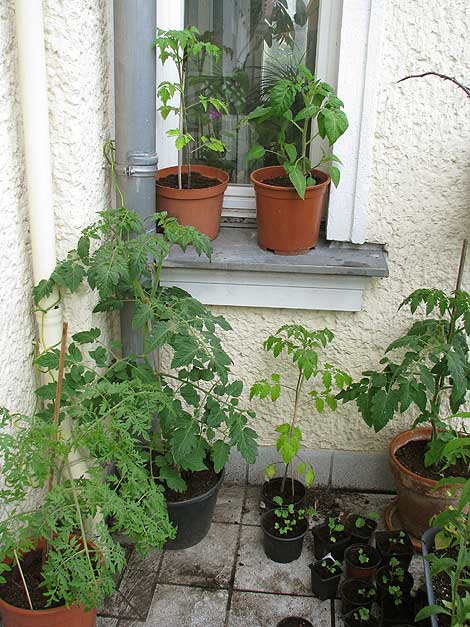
(87, 337)
(172, 478)
(42, 290)
(190, 394)
(219, 454)
(83, 248)
(99, 356)
(49, 359)
(143, 313)
(185, 348)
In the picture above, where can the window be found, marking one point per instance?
(338, 39)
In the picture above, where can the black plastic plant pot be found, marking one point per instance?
(393, 614)
(382, 586)
(360, 535)
(389, 545)
(323, 546)
(428, 546)
(354, 568)
(324, 583)
(192, 518)
(278, 548)
(272, 488)
(294, 621)
(351, 621)
(357, 593)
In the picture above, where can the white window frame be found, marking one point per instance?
(348, 57)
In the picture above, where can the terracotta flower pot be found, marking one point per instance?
(73, 616)
(287, 224)
(200, 208)
(417, 500)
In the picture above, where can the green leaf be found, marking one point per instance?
(87, 337)
(219, 454)
(456, 368)
(291, 151)
(42, 290)
(172, 478)
(246, 444)
(158, 336)
(143, 313)
(282, 95)
(185, 347)
(256, 152)
(234, 389)
(49, 359)
(83, 248)
(430, 610)
(99, 355)
(190, 395)
(309, 477)
(335, 174)
(297, 179)
(332, 124)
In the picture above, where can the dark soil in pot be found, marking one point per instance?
(362, 534)
(324, 582)
(294, 621)
(356, 568)
(198, 483)
(357, 593)
(412, 457)
(282, 548)
(13, 591)
(382, 586)
(272, 488)
(389, 544)
(198, 181)
(280, 181)
(323, 546)
(393, 614)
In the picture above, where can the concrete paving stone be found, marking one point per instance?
(252, 512)
(320, 460)
(236, 468)
(179, 606)
(263, 610)
(150, 562)
(361, 470)
(229, 503)
(256, 573)
(363, 503)
(417, 570)
(208, 564)
(104, 622)
(132, 600)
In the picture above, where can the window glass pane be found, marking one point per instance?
(260, 40)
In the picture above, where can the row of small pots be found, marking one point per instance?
(287, 224)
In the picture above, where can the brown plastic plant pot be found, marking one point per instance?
(200, 208)
(417, 499)
(73, 616)
(366, 571)
(288, 225)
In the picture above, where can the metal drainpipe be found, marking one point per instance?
(135, 120)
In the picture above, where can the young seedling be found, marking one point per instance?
(362, 615)
(397, 595)
(398, 540)
(366, 594)
(362, 556)
(288, 516)
(360, 523)
(331, 566)
(335, 527)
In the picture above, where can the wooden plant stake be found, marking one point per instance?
(28, 596)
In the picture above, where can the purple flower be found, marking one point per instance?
(213, 114)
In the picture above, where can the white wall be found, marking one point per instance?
(419, 203)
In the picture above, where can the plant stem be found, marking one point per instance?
(465, 89)
(20, 570)
(58, 394)
(292, 424)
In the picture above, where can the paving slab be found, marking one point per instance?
(150, 563)
(236, 469)
(179, 606)
(361, 470)
(208, 564)
(133, 598)
(252, 512)
(256, 573)
(229, 503)
(250, 609)
(362, 503)
(104, 622)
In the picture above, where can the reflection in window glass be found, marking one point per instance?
(260, 40)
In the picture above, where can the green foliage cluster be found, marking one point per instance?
(180, 46)
(362, 614)
(422, 370)
(332, 566)
(320, 104)
(335, 526)
(303, 348)
(288, 516)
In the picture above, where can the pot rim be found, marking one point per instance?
(279, 168)
(279, 624)
(206, 170)
(199, 497)
(270, 535)
(375, 553)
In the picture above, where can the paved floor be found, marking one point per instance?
(226, 580)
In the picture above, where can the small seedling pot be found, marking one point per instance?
(272, 488)
(360, 535)
(398, 614)
(388, 548)
(323, 546)
(294, 621)
(383, 587)
(351, 597)
(350, 621)
(324, 583)
(354, 568)
(278, 548)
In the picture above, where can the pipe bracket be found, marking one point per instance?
(139, 165)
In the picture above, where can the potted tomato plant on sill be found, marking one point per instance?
(303, 347)
(191, 193)
(58, 555)
(424, 369)
(290, 196)
(196, 403)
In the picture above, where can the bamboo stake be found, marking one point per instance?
(23, 579)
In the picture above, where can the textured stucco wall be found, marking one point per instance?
(419, 206)
(77, 55)
(419, 200)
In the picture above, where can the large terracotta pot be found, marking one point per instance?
(287, 224)
(417, 500)
(73, 616)
(200, 208)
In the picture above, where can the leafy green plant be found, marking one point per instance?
(362, 557)
(335, 527)
(366, 593)
(303, 348)
(180, 46)
(395, 573)
(396, 594)
(96, 421)
(288, 516)
(424, 369)
(320, 104)
(197, 403)
(361, 521)
(332, 566)
(362, 614)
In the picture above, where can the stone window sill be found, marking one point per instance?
(331, 277)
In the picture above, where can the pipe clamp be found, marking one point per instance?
(139, 165)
